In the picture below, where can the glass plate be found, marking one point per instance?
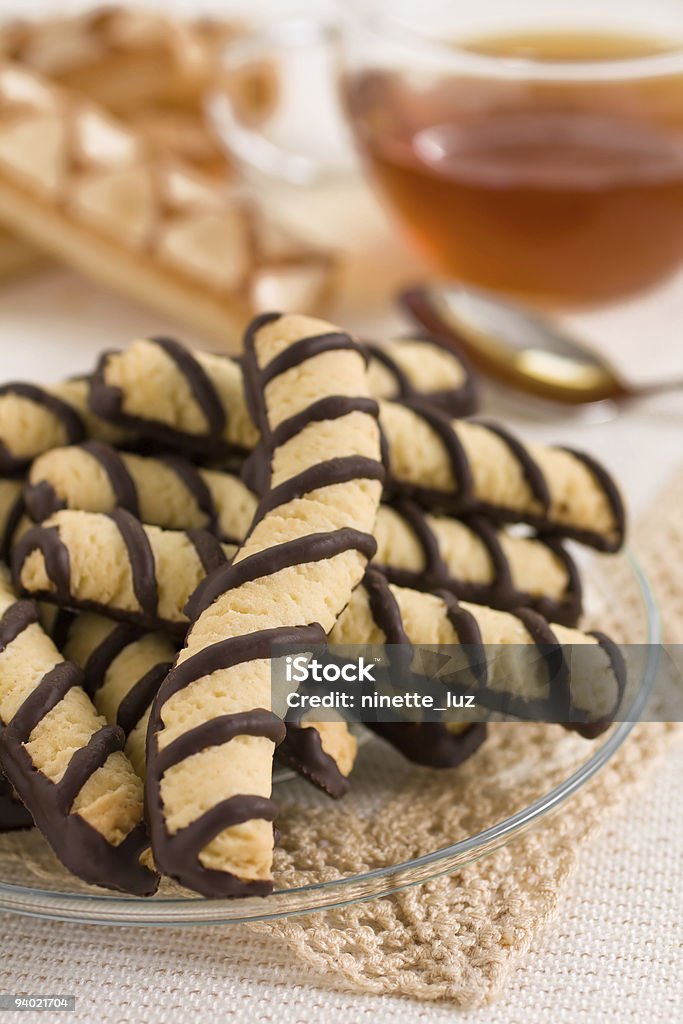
(439, 821)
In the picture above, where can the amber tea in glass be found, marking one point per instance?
(562, 188)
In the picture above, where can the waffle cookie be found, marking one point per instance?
(212, 737)
(65, 763)
(584, 702)
(113, 564)
(91, 190)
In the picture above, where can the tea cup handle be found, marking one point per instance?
(275, 105)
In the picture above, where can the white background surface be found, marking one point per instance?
(615, 953)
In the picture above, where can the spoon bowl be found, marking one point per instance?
(522, 348)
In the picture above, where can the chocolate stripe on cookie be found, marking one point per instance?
(85, 763)
(57, 563)
(209, 550)
(200, 383)
(324, 474)
(139, 698)
(316, 547)
(193, 481)
(15, 620)
(530, 469)
(141, 559)
(332, 408)
(258, 722)
(305, 349)
(95, 668)
(457, 456)
(120, 479)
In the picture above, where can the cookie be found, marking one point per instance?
(166, 491)
(584, 697)
(477, 562)
(212, 736)
(422, 369)
(35, 419)
(193, 401)
(90, 190)
(13, 814)
(65, 763)
(471, 467)
(122, 668)
(113, 564)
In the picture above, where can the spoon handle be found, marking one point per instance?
(660, 387)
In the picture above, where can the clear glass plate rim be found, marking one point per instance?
(488, 839)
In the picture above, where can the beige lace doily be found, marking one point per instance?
(456, 938)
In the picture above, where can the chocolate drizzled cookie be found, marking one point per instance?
(477, 562)
(212, 735)
(423, 369)
(468, 467)
(559, 685)
(432, 744)
(190, 401)
(167, 490)
(65, 763)
(113, 564)
(123, 669)
(35, 419)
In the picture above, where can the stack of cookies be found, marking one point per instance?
(108, 165)
(169, 519)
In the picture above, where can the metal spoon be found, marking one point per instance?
(522, 348)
